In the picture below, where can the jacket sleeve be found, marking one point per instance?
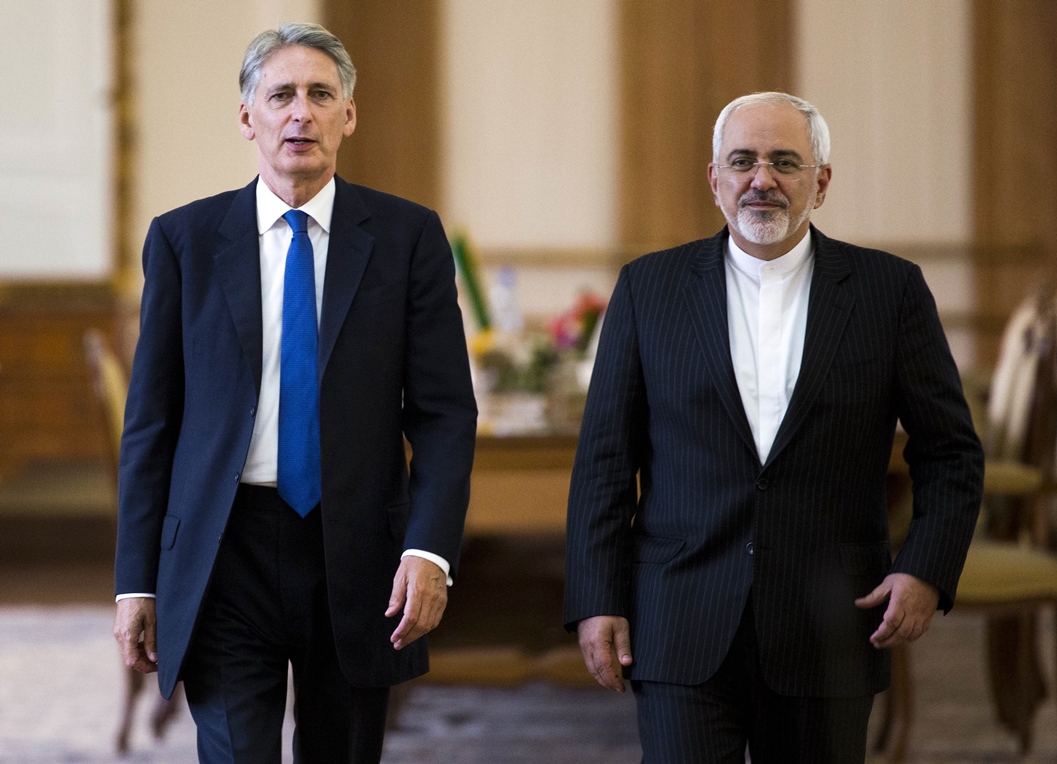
(603, 493)
(153, 413)
(440, 413)
(943, 451)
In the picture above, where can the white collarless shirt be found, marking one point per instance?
(767, 303)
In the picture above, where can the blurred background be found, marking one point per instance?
(558, 139)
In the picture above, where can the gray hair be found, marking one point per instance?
(268, 43)
(818, 130)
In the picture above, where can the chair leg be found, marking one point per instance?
(887, 711)
(897, 710)
(1027, 674)
(1016, 677)
(398, 696)
(133, 685)
(165, 711)
(904, 702)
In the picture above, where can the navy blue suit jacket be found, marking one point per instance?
(673, 519)
(392, 364)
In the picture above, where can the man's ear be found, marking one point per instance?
(350, 119)
(825, 174)
(713, 180)
(246, 122)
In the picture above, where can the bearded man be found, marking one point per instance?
(728, 546)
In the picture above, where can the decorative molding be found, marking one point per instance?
(125, 146)
(554, 257)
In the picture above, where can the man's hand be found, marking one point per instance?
(911, 605)
(421, 589)
(135, 629)
(605, 641)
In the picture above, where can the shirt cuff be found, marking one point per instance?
(436, 559)
(120, 597)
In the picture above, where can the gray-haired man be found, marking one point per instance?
(293, 334)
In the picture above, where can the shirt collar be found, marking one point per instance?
(787, 263)
(270, 207)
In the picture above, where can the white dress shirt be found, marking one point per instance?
(767, 318)
(275, 235)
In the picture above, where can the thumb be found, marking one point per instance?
(874, 598)
(622, 644)
(150, 640)
(396, 599)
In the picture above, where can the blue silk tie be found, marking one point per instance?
(298, 467)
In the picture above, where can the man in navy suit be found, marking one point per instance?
(269, 520)
(728, 543)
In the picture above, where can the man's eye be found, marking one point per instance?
(280, 96)
(786, 165)
(742, 163)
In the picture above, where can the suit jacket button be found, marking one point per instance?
(762, 484)
(253, 411)
(748, 548)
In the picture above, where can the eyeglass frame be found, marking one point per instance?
(775, 172)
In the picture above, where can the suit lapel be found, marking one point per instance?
(829, 307)
(347, 255)
(706, 298)
(238, 267)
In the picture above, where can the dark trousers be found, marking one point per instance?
(712, 722)
(267, 610)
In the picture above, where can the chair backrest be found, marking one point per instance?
(110, 383)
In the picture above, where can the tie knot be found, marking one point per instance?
(297, 220)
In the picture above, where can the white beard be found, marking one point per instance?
(768, 227)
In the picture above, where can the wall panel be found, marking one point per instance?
(681, 62)
(393, 44)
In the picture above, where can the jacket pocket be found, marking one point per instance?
(865, 558)
(170, 525)
(398, 516)
(656, 548)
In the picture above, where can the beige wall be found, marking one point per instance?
(530, 139)
(55, 140)
(893, 80)
(186, 65)
(530, 122)
(530, 111)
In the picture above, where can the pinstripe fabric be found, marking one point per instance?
(665, 441)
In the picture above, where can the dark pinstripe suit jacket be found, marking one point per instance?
(672, 517)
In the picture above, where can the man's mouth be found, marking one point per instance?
(299, 141)
(763, 203)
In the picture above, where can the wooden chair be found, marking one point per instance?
(110, 383)
(1009, 574)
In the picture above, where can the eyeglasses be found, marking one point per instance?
(744, 165)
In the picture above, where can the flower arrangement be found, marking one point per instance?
(510, 360)
(574, 329)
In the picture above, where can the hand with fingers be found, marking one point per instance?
(605, 641)
(420, 589)
(135, 629)
(911, 604)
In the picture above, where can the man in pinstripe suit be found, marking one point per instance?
(728, 538)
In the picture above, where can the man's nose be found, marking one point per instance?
(763, 177)
(301, 110)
